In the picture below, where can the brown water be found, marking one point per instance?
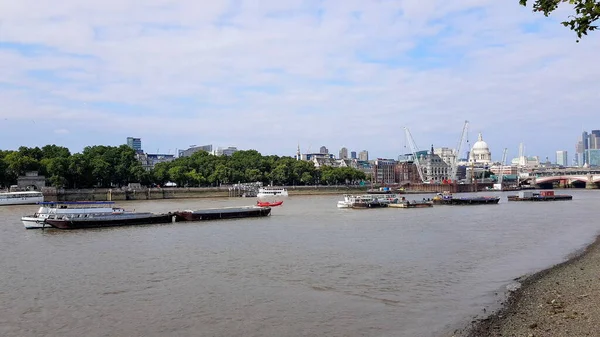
(310, 269)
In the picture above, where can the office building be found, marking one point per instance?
(343, 153)
(135, 143)
(323, 150)
(363, 155)
(353, 155)
(561, 158)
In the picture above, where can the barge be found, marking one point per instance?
(70, 222)
(412, 204)
(223, 213)
(448, 199)
(541, 196)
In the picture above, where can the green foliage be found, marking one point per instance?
(587, 12)
(109, 166)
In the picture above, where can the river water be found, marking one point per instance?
(310, 269)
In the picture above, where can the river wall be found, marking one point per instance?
(118, 194)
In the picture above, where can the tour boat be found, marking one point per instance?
(272, 192)
(269, 204)
(21, 198)
(59, 209)
(367, 201)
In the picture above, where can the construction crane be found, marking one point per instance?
(414, 149)
(461, 140)
(501, 178)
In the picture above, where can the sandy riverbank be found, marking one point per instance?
(561, 301)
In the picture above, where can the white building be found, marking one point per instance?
(228, 151)
(561, 158)
(480, 152)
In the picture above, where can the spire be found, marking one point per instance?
(479, 138)
(298, 155)
(432, 149)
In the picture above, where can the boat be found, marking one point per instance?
(91, 221)
(268, 204)
(223, 213)
(59, 209)
(412, 204)
(21, 198)
(366, 201)
(449, 199)
(540, 196)
(272, 192)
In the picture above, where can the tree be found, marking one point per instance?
(586, 13)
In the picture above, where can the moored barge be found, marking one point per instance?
(68, 222)
(223, 213)
(448, 199)
(541, 196)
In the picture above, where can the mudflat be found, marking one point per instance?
(561, 301)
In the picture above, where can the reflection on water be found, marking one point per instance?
(310, 269)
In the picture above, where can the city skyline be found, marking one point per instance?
(271, 76)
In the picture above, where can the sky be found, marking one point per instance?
(271, 75)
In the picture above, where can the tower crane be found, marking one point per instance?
(501, 178)
(454, 169)
(414, 150)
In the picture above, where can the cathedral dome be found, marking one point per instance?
(480, 152)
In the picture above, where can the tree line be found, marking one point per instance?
(110, 166)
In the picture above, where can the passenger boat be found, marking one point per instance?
(73, 222)
(268, 204)
(272, 192)
(21, 198)
(541, 196)
(366, 201)
(59, 209)
(223, 213)
(449, 199)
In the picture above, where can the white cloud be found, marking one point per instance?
(272, 73)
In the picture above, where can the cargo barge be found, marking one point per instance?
(223, 213)
(541, 196)
(70, 222)
(448, 199)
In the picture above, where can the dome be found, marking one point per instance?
(480, 145)
(480, 152)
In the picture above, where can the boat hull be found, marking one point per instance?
(112, 221)
(31, 222)
(468, 201)
(223, 213)
(540, 198)
(369, 205)
(412, 205)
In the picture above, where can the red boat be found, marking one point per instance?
(268, 204)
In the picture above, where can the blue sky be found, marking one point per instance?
(271, 74)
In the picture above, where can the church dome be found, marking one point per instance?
(480, 152)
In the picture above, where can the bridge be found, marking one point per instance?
(567, 176)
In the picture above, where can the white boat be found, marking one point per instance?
(272, 192)
(58, 209)
(21, 198)
(349, 199)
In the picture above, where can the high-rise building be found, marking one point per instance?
(343, 153)
(561, 158)
(353, 155)
(323, 150)
(585, 140)
(135, 143)
(363, 155)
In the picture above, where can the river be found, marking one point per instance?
(310, 269)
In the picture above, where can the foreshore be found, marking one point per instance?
(563, 300)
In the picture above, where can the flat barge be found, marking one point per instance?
(541, 196)
(412, 204)
(448, 199)
(68, 222)
(223, 213)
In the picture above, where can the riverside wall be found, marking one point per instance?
(119, 194)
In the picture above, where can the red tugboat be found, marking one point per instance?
(268, 204)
